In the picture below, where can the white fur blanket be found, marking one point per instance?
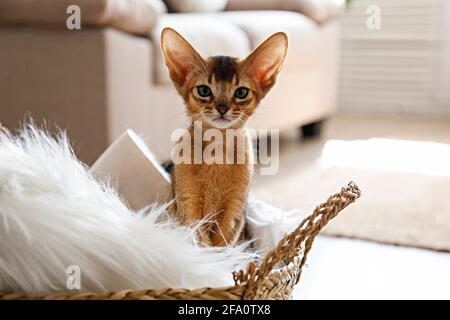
(54, 214)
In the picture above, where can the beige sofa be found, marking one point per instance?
(109, 76)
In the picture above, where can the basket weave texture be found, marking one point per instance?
(275, 278)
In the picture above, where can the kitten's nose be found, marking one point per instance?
(222, 108)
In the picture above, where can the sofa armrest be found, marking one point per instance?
(320, 11)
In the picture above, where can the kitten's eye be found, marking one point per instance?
(241, 92)
(204, 91)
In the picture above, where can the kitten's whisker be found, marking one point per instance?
(198, 116)
(244, 116)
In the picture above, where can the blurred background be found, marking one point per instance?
(364, 96)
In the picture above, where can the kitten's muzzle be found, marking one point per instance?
(222, 109)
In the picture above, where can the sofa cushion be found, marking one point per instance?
(317, 10)
(208, 34)
(237, 33)
(304, 35)
(187, 6)
(134, 16)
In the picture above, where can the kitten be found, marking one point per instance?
(222, 92)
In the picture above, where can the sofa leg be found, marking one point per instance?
(312, 130)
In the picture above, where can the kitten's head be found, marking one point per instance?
(221, 91)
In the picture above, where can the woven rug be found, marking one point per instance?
(401, 165)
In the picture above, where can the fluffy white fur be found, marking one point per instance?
(54, 214)
(268, 224)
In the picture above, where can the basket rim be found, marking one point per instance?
(125, 293)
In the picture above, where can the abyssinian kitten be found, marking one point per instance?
(222, 92)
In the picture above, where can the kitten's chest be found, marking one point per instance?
(225, 168)
(222, 184)
(223, 175)
(234, 150)
(228, 164)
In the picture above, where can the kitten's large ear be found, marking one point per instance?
(266, 61)
(180, 57)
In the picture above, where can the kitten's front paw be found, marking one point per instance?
(203, 237)
(218, 240)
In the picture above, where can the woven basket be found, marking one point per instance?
(275, 278)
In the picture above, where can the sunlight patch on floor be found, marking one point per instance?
(406, 156)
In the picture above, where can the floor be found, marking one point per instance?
(340, 268)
